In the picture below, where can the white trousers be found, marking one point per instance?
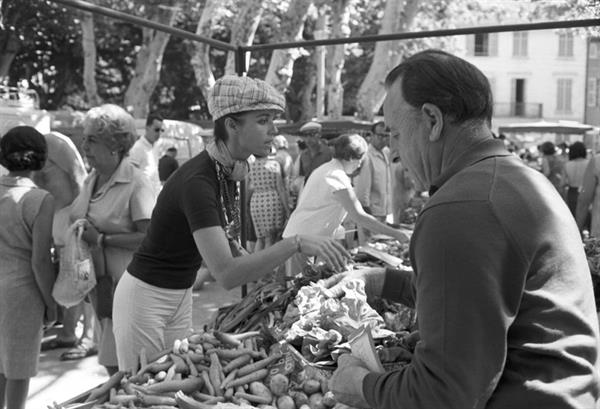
(149, 317)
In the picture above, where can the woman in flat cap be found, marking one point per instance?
(196, 218)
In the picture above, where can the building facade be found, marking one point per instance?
(592, 100)
(534, 75)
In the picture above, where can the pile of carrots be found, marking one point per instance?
(205, 371)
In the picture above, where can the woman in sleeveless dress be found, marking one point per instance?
(26, 271)
(269, 201)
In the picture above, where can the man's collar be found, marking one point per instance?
(485, 149)
(374, 149)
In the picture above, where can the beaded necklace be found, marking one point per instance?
(231, 206)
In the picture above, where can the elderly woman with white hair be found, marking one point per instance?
(116, 201)
(197, 218)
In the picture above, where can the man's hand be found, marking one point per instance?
(370, 276)
(347, 381)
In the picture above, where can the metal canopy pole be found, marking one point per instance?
(434, 33)
(82, 5)
(240, 68)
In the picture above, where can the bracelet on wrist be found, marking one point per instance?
(100, 240)
(298, 243)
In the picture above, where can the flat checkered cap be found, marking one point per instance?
(232, 94)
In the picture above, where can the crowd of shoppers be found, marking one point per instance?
(151, 224)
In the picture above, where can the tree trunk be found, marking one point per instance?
(308, 108)
(148, 64)
(244, 28)
(397, 17)
(88, 41)
(281, 66)
(9, 47)
(200, 57)
(319, 56)
(340, 27)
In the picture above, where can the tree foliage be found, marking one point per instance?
(40, 42)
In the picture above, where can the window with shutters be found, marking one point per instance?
(565, 45)
(592, 92)
(563, 95)
(485, 45)
(520, 39)
(482, 44)
(593, 50)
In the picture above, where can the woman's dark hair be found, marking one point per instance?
(23, 148)
(458, 88)
(577, 150)
(349, 146)
(548, 148)
(220, 131)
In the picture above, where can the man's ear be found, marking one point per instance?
(433, 117)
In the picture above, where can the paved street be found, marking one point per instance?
(59, 381)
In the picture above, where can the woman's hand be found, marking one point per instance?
(90, 234)
(327, 249)
(403, 235)
(50, 315)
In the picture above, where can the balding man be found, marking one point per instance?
(501, 283)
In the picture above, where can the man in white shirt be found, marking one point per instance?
(142, 152)
(373, 184)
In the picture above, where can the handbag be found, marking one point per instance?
(76, 274)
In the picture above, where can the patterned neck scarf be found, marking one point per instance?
(229, 170)
(234, 169)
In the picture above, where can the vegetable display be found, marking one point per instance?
(275, 349)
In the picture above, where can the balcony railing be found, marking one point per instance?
(518, 109)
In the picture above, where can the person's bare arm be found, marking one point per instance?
(586, 196)
(41, 261)
(347, 198)
(283, 195)
(129, 241)
(232, 271)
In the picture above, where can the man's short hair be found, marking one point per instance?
(458, 88)
(154, 116)
(172, 149)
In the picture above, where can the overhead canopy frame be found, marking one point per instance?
(241, 50)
